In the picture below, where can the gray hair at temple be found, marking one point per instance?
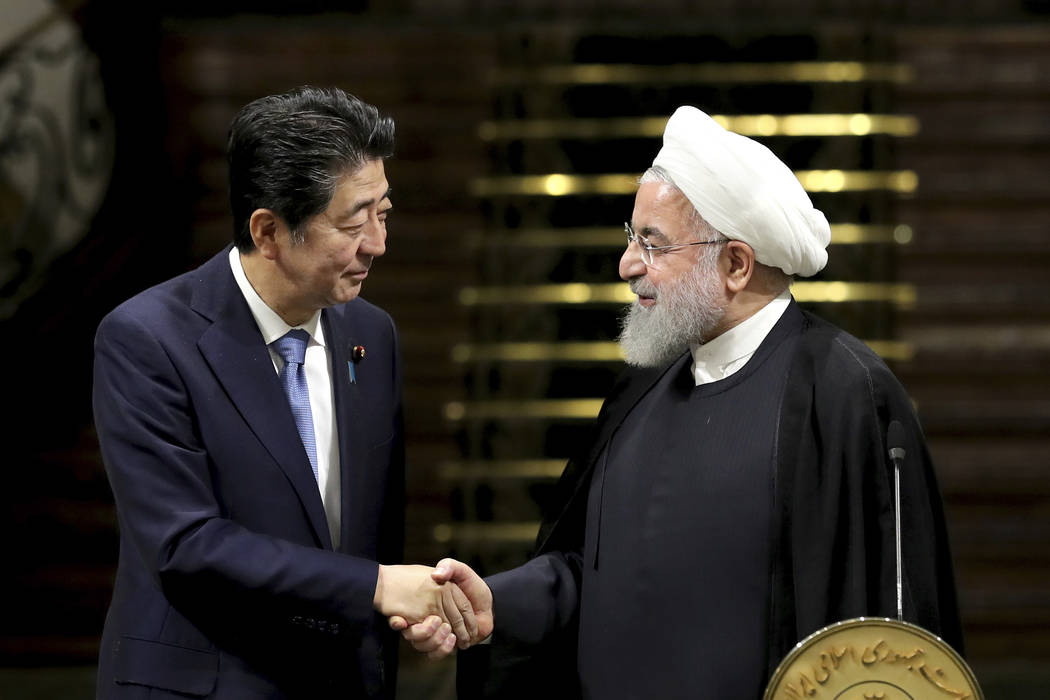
(704, 231)
(288, 152)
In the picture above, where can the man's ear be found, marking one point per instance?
(265, 227)
(740, 258)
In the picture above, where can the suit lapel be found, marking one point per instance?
(233, 347)
(350, 428)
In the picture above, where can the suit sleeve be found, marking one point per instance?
(171, 517)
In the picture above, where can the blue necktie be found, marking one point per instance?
(292, 349)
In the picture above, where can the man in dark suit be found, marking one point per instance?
(736, 495)
(249, 414)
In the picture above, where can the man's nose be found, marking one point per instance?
(374, 242)
(631, 263)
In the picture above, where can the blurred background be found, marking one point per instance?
(921, 128)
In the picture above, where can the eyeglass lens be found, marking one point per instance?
(643, 245)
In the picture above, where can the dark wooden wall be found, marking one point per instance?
(980, 261)
(981, 264)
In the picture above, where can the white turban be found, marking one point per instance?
(738, 186)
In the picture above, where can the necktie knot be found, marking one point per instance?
(292, 346)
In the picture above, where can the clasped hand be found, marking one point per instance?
(437, 609)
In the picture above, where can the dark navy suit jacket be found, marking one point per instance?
(227, 584)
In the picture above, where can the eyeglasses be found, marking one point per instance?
(649, 250)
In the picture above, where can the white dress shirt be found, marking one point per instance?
(727, 353)
(318, 367)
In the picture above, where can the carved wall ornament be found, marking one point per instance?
(56, 144)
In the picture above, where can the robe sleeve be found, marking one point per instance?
(536, 606)
(533, 648)
(835, 552)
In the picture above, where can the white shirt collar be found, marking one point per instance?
(724, 355)
(271, 325)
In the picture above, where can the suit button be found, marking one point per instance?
(297, 620)
(311, 623)
(334, 628)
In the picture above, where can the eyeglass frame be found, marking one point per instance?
(647, 248)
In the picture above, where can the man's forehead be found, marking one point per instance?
(661, 196)
(365, 186)
(660, 208)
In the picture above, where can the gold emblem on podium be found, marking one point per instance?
(873, 659)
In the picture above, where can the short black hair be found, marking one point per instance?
(288, 152)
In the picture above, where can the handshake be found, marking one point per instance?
(437, 609)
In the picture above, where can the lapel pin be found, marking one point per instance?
(357, 353)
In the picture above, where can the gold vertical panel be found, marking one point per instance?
(757, 125)
(511, 409)
(900, 181)
(720, 73)
(562, 184)
(605, 351)
(613, 236)
(502, 469)
(836, 292)
(620, 293)
(892, 350)
(612, 128)
(481, 533)
(538, 352)
(573, 293)
(575, 237)
(853, 234)
(553, 185)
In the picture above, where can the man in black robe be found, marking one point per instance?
(737, 493)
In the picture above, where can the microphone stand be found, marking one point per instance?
(894, 437)
(795, 675)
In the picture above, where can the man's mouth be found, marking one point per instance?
(646, 294)
(359, 274)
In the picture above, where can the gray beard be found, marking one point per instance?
(685, 312)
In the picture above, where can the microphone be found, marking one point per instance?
(895, 442)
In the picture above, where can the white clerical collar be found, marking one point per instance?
(271, 325)
(724, 355)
